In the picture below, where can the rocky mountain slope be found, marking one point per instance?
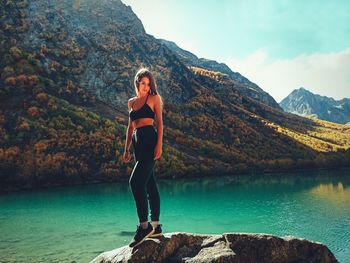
(67, 71)
(305, 103)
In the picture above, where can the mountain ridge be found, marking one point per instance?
(247, 88)
(305, 103)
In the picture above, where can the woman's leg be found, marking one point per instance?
(153, 196)
(138, 181)
(143, 153)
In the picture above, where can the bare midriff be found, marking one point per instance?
(142, 122)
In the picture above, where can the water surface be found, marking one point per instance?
(75, 224)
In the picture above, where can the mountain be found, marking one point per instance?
(305, 103)
(67, 71)
(246, 87)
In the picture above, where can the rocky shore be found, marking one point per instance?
(228, 247)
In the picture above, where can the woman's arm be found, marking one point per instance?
(159, 119)
(129, 131)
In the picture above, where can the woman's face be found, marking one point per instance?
(144, 85)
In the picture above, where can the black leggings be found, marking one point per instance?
(142, 180)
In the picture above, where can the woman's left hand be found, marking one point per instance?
(157, 151)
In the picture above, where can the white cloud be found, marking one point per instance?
(326, 74)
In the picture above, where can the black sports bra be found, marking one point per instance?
(144, 112)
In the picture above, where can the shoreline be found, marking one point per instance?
(194, 176)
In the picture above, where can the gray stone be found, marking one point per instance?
(228, 247)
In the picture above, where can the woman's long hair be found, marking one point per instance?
(144, 72)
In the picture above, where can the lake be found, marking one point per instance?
(77, 223)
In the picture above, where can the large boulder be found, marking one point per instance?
(228, 247)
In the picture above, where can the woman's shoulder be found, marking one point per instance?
(132, 99)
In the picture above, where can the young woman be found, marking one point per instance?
(147, 147)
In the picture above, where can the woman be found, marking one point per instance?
(147, 147)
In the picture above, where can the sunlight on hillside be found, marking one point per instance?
(208, 73)
(325, 136)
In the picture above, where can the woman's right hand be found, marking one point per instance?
(126, 156)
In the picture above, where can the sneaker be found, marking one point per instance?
(157, 231)
(141, 234)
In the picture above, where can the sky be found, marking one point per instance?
(280, 45)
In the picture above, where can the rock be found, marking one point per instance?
(228, 247)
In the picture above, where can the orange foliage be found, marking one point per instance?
(32, 79)
(22, 79)
(15, 52)
(10, 81)
(9, 153)
(59, 157)
(41, 146)
(42, 97)
(209, 73)
(52, 104)
(33, 111)
(24, 126)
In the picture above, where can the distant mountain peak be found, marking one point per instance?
(302, 91)
(305, 103)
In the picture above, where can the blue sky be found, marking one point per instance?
(280, 45)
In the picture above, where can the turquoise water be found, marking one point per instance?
(75, 224)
